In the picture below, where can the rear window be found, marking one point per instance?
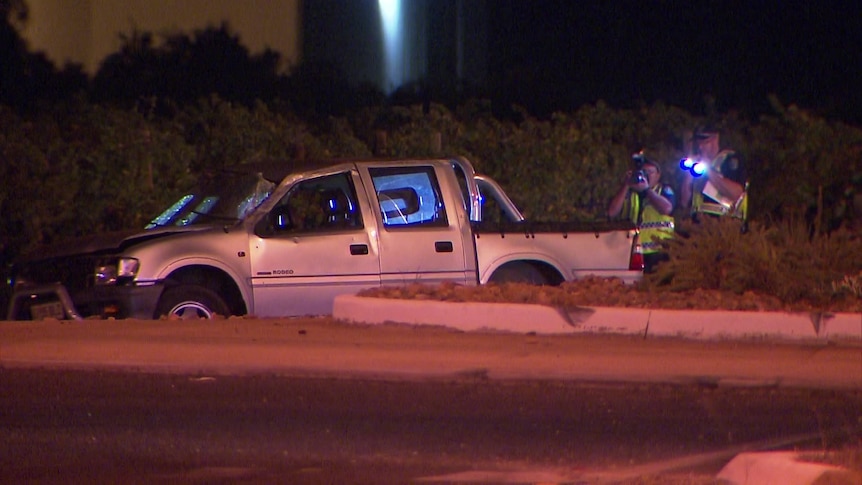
(409, 197)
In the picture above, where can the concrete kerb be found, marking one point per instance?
(463, 316)
(541, 319)
(725, 324)
(786, 468)
(840, 325)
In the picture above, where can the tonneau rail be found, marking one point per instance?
(565, 227)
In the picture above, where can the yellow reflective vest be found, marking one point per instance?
(653, 226)
(717, 205)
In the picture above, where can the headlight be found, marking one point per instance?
(115, 271)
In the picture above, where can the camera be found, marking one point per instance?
(638, 175)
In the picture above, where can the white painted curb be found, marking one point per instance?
(463, 316)
(610, 320)
(724, 324)
(781, 468)
(847, 325)
(541, 319)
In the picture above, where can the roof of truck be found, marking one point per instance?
(276, 169)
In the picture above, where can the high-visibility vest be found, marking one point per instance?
(718, 205)
(653, 226)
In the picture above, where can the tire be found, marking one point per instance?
(518, 272)
(191, 302)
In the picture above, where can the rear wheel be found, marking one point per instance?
(518, 272)
(191, 302)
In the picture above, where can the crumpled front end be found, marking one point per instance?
(80, 286)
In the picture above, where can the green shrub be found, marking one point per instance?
(848, 286)
(802, 163)
(786, 260)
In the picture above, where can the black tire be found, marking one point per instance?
(191, 302)
(518, 272)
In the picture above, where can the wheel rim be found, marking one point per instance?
(189, 310)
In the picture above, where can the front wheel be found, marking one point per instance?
(191, 302)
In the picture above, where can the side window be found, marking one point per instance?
(491, 210)
(409, 197)
(323, 204)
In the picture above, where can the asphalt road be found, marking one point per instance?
(325, 347)
(320, 401)
(98, 426)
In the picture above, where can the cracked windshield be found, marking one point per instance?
(225, 198)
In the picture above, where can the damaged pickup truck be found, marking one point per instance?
(284, 238)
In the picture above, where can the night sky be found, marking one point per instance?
(564, 53)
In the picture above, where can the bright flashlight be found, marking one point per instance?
(695, 167)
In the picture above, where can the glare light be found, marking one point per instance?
(393, 39)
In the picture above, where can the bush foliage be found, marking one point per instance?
(785, 260)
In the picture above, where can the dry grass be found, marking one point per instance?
(608, 292)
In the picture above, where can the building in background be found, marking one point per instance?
(85, 32)
(385, 43)
(395, 43)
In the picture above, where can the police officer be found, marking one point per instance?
(719, 186)
(649, 204)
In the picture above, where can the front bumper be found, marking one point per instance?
(55, 300)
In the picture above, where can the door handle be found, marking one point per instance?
(443, 246)
(358, 249)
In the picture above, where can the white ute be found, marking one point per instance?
(285, 238)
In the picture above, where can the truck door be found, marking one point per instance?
(421, 239)
(313, 245)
